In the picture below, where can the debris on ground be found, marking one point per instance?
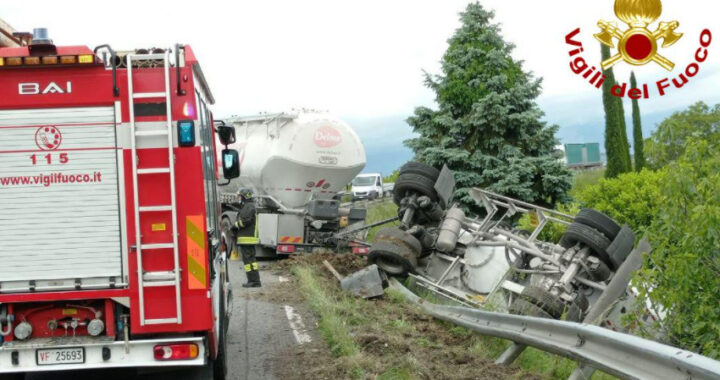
(367, 282)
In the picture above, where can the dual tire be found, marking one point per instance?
(417, 178)
(606, 239)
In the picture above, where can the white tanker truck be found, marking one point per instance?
(296, 164)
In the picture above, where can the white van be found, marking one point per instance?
(367, 186)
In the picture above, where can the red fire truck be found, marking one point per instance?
(110, 251)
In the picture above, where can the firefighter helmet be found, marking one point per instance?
(245, 194)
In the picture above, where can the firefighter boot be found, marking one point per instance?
(253, 277)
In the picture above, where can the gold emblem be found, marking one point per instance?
(638, 45)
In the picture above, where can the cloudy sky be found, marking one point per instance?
(363, 60)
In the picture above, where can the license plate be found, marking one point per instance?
(61, 356)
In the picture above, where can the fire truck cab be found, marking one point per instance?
(110, 251)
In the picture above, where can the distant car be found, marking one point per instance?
(367, 186)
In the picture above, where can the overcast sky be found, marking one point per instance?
(363, 60)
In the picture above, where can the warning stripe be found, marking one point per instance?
(196, 252)
(291, 239)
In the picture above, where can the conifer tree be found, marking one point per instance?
(638, 142)
(488, 127)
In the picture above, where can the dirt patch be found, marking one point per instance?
(395, 339)
(345, 264)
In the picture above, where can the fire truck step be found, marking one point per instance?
(162, 132)
(153, 170)
(158, 284)
(159, 276)
(145, 95)
(164, 321)
(157, 246)
(148, 57)
(154, 208)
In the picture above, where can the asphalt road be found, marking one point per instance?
(261, 333)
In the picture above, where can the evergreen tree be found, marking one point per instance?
(617, 146)
(488, 127)
(638, 142)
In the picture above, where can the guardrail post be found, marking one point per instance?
(617, 286)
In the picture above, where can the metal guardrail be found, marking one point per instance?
(621, 355)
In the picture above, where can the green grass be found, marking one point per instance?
(331, 323)
(380, 211)
(585, 178)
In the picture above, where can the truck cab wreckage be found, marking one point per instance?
(484, 262)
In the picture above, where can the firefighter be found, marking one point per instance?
(246, 231)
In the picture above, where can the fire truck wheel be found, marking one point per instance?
(12, 376)
(598, 221)
(227, 235)
(393, 258)
(419, 168)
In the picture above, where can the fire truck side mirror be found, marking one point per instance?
(231, 163)
(226, 134)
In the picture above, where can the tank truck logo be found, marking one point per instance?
(637, 45)
(48, 138)
(327, 137)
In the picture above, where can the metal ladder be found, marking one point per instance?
(167, 278)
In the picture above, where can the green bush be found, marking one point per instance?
(682, 274)
(632, 198)
(552, 231)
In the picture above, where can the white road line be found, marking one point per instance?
(282, 279)
(297, 325)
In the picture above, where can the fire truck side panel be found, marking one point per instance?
(56, 163)
(155, 228)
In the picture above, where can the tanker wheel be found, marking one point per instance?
(591, 238)
(419, 168)
(394, 258)
(409, 183)
(621, 247)
(396, 234)
(523, 307)
(544, 300)
(598, 221)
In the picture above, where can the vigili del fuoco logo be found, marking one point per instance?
(638, 45)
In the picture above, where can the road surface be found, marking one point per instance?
(262, 333)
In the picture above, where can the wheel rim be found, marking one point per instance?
(390, 264)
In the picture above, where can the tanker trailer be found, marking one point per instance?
(296, 164)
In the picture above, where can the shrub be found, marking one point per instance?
(683, 271)
(631, 198)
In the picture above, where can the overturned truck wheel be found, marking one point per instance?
(395, 251)
(409, 183)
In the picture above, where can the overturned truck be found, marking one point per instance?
(485, 262)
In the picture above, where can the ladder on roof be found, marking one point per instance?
(165, 278)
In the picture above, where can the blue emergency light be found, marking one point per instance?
(186, 133)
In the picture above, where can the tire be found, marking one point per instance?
(577, 308)
(392, 258)
(220, 364)
(392, 234)
(414, 183)
(592, 238)
(544, 300)
(598, 221)
(522, 307)
(621, 247)
(421, 169)
(12, 376)
(227, 235)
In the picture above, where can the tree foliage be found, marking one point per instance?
(617, 146)
(488, 127)
(683, 271)
(638, 141)
(669, 141)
